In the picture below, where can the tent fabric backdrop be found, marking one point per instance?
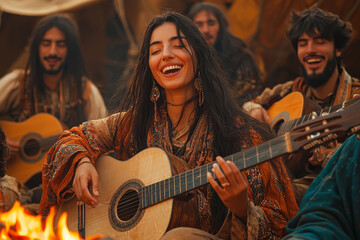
(40, 7)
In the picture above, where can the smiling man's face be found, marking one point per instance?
(317, 57)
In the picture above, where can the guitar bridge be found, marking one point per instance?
(81, 218)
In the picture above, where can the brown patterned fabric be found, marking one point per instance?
(269, 185)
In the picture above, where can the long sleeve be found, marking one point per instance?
(10, 95)
(94, 107)
(279, 91)
(90, 140)
(271, 201)
(330, 208)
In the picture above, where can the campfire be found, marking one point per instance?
(17, 224)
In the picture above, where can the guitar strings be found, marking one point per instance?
(156, 194)
(251, 160)
(43, 143)
(131, 203)
(289, 125)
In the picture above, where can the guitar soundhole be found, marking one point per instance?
(128, 205)
(125, 210)
(31, 147)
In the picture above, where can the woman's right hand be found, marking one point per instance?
(86, 182)
(13, 145)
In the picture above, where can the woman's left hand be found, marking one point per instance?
(233, 187)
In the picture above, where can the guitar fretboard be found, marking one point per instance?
(181, 183)
(290, 125)
(46, 143)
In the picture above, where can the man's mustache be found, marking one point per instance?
(53, 57)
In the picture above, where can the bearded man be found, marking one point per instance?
(54, 80)
(319, 39)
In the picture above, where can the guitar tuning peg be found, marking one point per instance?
(324, 114)
(314, 115)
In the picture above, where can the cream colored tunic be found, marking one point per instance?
(94, 106)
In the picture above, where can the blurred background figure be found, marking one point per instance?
(111, 30)
(237, 59)
(54, 82)
(9, 187)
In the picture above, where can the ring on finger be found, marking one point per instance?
(225, 184)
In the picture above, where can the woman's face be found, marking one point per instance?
(170, 63)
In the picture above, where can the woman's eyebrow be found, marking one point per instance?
(171, 39)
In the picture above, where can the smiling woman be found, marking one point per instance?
(178, 100)
(172, 64)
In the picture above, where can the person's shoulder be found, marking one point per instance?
(88, 86)
(15, 74)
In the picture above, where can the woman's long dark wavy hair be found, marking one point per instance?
(74, 62)
(218, 101)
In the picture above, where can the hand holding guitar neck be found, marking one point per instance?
(233, 189)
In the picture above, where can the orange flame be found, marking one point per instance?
(18, 224)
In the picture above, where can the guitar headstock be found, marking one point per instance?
(336, 126)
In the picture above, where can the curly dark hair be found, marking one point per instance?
(315, 21)
(4, 153)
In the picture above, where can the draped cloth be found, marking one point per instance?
(270, 189)
(330, 208)
(41, 7)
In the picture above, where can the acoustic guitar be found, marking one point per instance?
(294, 109)
(36, 135)
(136, 196)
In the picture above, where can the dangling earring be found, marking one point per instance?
(154, 96)
(198, 87)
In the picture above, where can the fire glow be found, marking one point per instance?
(16, 224)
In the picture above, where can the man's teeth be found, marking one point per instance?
(313, 60)
(168, 68)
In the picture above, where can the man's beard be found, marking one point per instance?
(52, 71)
(316, 80)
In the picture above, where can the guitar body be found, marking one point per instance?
(35, 135)
(292, 106)
(119, 181)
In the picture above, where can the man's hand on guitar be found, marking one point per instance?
(13, 145)
(260, 114)
(86, 182)
(232, 189)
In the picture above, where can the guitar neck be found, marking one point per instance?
(46, 143)
(186, 181)
(290, 125)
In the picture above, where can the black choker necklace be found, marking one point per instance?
(181, 104)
